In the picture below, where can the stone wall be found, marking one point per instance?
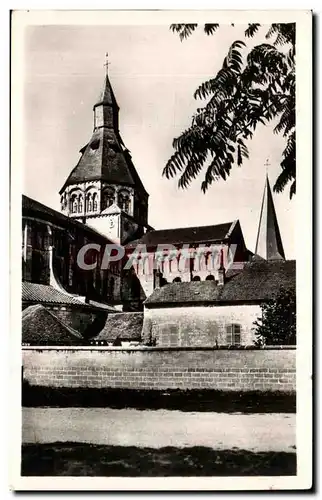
(38, 234)
(156, 368)
(199, 326)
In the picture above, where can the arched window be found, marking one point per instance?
(62, 203)
(73, 204)
(108, 198)
(233, 336)
(177, 280)
(89, 203)
(80, 203)
(94, 202)
(196, 278)
(127, 204)
(124, 201)
(120, 201)
(210, 277)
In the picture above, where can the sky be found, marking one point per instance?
(154, 76)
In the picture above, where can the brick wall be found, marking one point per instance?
(199, 326)
(156, 368)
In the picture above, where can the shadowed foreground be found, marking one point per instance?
(171, 399)
(78, 459)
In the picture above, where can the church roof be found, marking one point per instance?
(257, 282)
(31, 207)
(46, 294)
(269, 242)
(181, 235)
(35, 292)
(42, 327)
(104, 158)
(123, 326)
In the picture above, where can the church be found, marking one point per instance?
(190, 286)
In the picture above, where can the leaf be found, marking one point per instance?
(234, 59)
(239, 156)
(192, 169)
(288, 167)
(285, 33)
(251, 30)
(244, 93)
(277, 325)
(184, 30)
(210, 29)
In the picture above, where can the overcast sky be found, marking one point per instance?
(154, 76)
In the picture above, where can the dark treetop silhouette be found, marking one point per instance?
(248, 90)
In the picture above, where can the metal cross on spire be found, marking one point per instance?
(267, 164)
(106, 61)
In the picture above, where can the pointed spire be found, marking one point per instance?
(105, 158)
(269, 244)
(106, 95)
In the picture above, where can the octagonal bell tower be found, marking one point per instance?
(104, 189)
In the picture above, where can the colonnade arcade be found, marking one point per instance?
(80, 201)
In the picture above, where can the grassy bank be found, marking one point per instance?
(189, 400)
(76, 459)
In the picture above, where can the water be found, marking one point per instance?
(159, 428)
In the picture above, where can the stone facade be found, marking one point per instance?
(200, 325)
(50, 245)
(111, 209)
(185, 262)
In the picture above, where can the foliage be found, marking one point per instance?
(249, 89)
(277, 326)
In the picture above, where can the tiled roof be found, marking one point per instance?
(124, 326)
(46, 294)
(101, 305)
(34, 208)
(42, 327)
(34, 292)
(105, 159)
(181, 235)
(257, 282)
